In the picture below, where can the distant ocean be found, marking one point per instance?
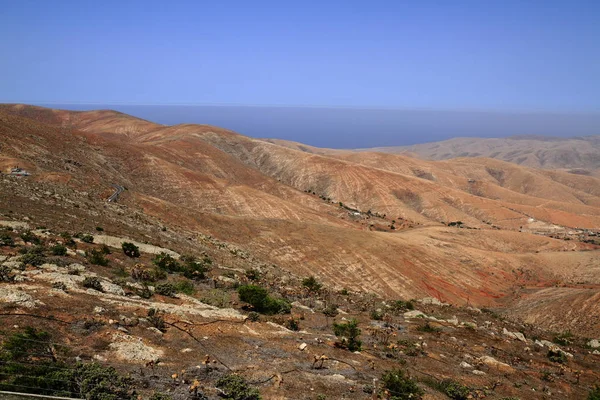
(360, 128)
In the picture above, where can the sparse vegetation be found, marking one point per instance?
(28, 364)
(348, 334)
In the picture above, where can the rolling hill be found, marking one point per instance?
(466, 231)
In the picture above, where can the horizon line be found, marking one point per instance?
(334, 107)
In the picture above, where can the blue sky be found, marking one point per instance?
(487, 55)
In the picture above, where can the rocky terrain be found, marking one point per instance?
(500, 261)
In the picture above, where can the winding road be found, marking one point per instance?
(118, 190)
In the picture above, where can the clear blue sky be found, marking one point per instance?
(480, 54)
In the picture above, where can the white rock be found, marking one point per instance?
(414, 314)
(594, 343)
(465, 365)
(478, 372)
(302, 346)
(431, 300)
(99, 310)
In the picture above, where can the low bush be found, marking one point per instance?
(91, 282)
(34, 256)
(594, 394)
(6, 239)
(253, 274)
(166, 289)
(6, 274)
(167, 262)
(86, 238)
(96, 257)
(260, 300)
(196, 269)
(185, 286)
(312, 284)
(349, 335)
(557, 356)
(234, 387)
(30, 237)
(130, 249)
(28, 364)
(58, 250)
(400, 386)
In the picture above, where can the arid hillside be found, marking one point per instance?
(578, 155)
(471, 231)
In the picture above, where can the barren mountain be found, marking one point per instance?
(578, 155)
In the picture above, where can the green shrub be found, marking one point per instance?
(92, 282)
(166, 289)
(594, 394)
(6, 239)
(455, 390)
(99, 229)
(253, 274)
(196, 269)
(292, 324)
(331, 310)
(400, 386)
(86, 238)
(377, 315)
(58, 250)
(166, 262)
(6, 274)
(105, 249)
(156, 320)
(349, 335)
(312, 284)
(234, 387)
(28, 364)
(564, 339)
(34, 256)
(30, 237)
(96, 257)
(428, 328)
(557, 356)
(185, 286)
(160, 396)
(69, 242)
(130, 249)
(401, 305)
(260, 300)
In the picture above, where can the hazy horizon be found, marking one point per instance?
(361, 128)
